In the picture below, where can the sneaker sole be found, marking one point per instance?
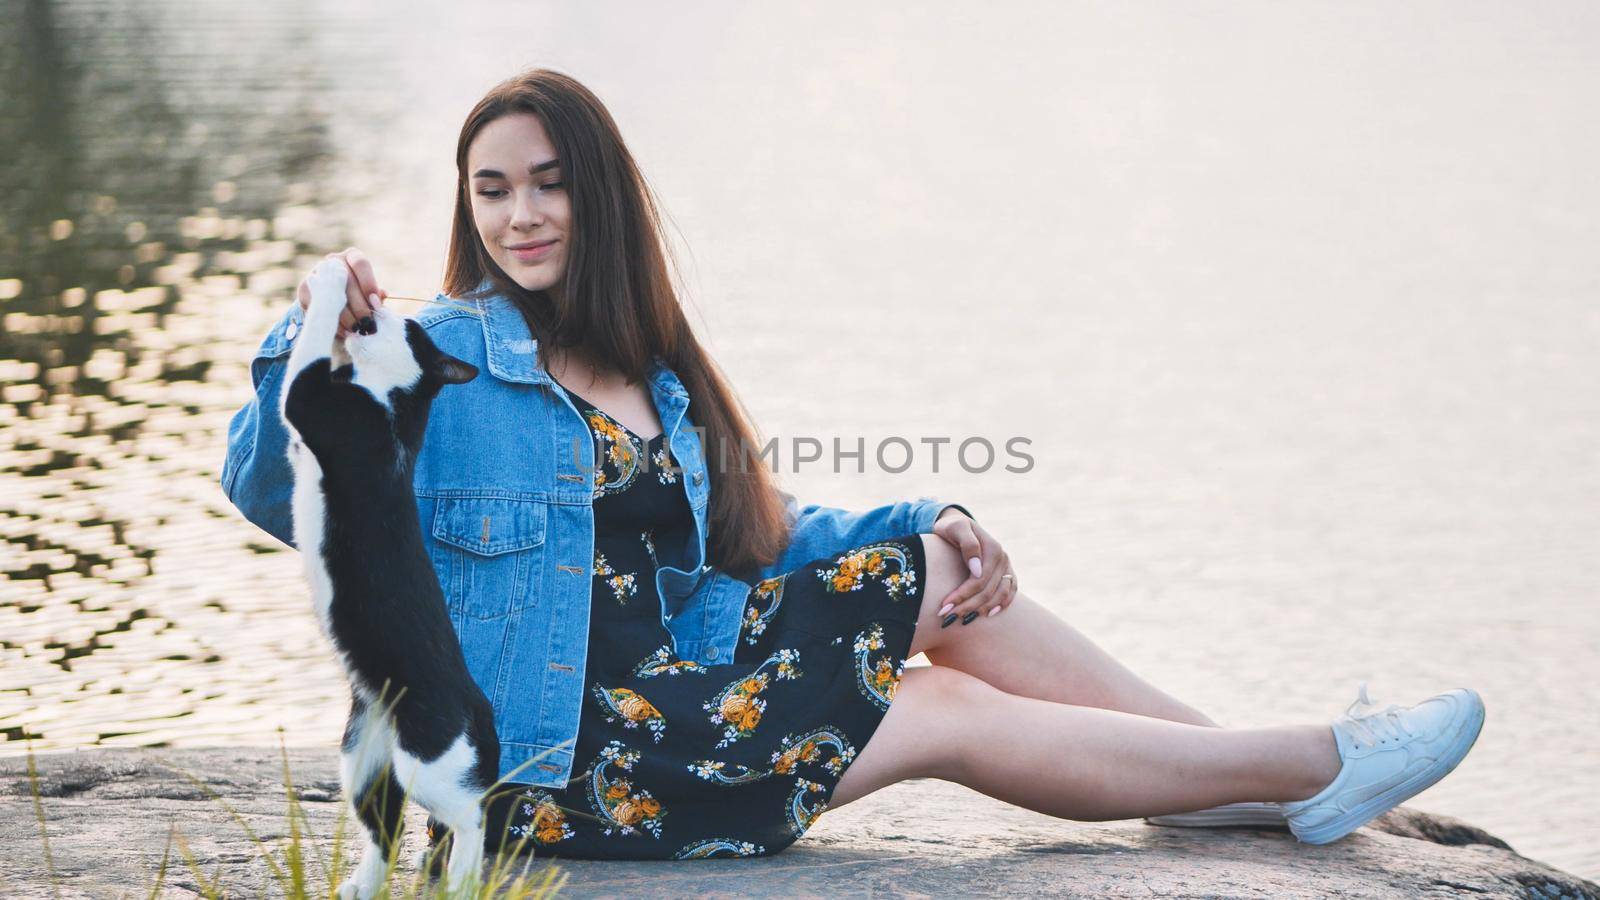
(1229, 816)
(1331, 831)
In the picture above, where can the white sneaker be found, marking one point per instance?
(1229, 815)
(1388, 756)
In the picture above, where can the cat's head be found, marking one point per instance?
(396, 352)
(394, 358)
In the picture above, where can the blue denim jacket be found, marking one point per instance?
(505, 503)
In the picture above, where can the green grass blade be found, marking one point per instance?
(209, 888)
(166, 860)
(38, 813)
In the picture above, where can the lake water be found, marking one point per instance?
(1297, 307)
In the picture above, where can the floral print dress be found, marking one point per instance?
(682, 760)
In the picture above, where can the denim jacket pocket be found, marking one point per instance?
(490, 552)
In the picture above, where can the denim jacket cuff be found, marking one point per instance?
(927, 510)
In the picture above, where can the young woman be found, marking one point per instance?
(686, 664)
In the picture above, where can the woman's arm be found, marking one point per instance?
(819, 531)
(255, 475)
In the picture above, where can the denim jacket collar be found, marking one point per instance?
(513, 353)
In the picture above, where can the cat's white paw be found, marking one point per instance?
(327, 283)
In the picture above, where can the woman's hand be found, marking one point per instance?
(989, 589)
(361, 290)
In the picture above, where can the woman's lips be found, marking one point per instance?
(534, 254)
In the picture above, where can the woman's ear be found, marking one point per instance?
(450, 370)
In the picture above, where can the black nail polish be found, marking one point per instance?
(967, 619)
(947, 620)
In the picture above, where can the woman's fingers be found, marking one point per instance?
(360, 286)
(362, 294)
(960, 602)
(957, 531)
(993, 586)
(355, 303)
(364, 282)
(989, 569)
(988, 590)
(975, 594)
(362, 268)
(966, 540)
(355, 296)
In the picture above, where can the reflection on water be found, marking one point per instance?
(152, 205)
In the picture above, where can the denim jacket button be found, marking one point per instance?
(698, 478)
(712, 653)
(291, 330)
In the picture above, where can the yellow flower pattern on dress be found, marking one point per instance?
(877, 680)
(889, 563)
(826, 746)
(763, 601)
(666, 469)
(621, 585)
(738, 708)
(619, 449)
(723, 772)
(615, 801)
(663, 661)
(802, 817)
(810, 748)
(630, 708)
(546, 821)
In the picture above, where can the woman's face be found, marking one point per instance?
(519, 203)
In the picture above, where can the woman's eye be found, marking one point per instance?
(490, 194)
(550, 184)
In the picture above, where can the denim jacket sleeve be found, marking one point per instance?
(817, 531)
(255, 474)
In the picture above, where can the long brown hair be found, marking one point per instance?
(620, 306)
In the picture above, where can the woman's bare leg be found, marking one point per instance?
(1029, 651)
(1078, 762)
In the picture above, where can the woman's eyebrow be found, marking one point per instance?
(532, 170)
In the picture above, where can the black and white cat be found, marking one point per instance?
(419, 726)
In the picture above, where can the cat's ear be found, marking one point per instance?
(450, 370)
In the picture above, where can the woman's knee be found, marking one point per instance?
(924, 734)
(943, 709)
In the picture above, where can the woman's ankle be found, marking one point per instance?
(1320, 754)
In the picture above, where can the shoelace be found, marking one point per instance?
(1376, 727)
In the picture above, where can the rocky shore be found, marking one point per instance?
(108, 813)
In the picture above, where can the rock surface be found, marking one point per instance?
(108, 814)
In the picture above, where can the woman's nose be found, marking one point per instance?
(526, 214)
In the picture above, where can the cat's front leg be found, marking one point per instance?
(317, 338)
